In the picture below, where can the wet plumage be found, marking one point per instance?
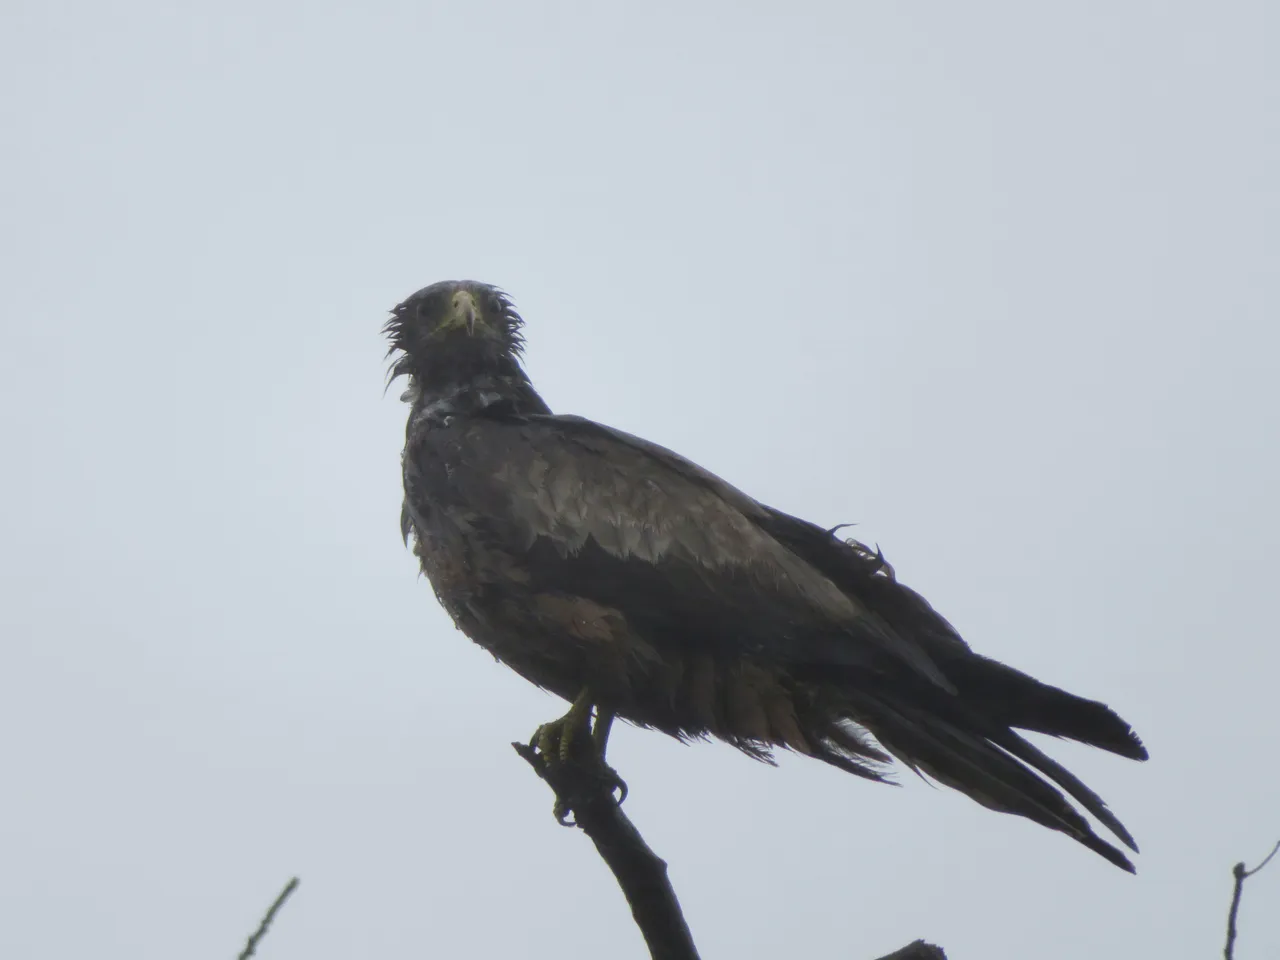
(588, 559)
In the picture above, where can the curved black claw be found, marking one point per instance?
(561, 812)
(615, 782)
(606, 777)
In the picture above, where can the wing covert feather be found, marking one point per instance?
(581, 487)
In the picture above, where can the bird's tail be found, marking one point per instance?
(1010, 698)
(966, 741)
(961, 731)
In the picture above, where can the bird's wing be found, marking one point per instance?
(1004, 694)
(865, 574)
(628, 523)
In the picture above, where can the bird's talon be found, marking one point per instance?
(562, 811)
(546, 740)
(574, 740)
(616, 783)
(561, 739)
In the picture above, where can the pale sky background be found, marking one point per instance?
(998, 281)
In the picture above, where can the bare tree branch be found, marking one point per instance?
(1241, 875)
(586, 789)
(919, 950)
(258, 934)
(640, 872)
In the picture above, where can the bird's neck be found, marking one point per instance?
(502, 389)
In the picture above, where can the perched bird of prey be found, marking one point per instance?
(633, 583)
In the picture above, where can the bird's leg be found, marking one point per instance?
(574, 738)
(599, 744)
(600, 732)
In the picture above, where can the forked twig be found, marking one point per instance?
(1241, 875)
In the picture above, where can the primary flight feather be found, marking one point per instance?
(619, 575)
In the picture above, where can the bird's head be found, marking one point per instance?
(452, 331)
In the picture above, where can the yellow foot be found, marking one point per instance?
(573, 739)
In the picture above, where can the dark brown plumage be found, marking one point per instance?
(589, 559)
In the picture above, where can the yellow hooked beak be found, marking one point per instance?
(463, 312)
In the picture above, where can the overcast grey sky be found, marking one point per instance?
(998, 281)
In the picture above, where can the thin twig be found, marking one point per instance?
(1241, 875)
(258, 934)
(640, 872)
